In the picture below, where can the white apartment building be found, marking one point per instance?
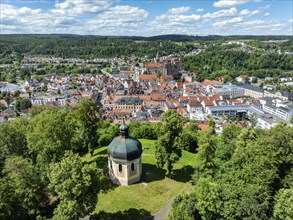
(284, 112)
(231, 90)
(195, 110)
(42, 100)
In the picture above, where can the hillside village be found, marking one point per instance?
(143, 91)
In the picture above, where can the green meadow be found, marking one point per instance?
(148, 196)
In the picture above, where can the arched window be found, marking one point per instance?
(132, 167)
(120, 168)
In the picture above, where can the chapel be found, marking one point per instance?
(124, 158)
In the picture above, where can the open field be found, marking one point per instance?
(148, 196)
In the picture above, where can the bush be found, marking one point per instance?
(105, 139)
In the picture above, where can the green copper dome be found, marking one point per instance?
(124, 147)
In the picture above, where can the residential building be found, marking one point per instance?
(195, 110)
(279, 108)
(252, 91)
(43, 99)
(229, 89)
(130, 103)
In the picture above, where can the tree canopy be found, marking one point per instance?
(167, 149)
(83, 182)
(245, 173)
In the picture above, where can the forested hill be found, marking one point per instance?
(66, 45)
(191, 38)
(87, 46)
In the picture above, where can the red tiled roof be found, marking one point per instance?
(211, 82)
(122, 111)
(208, 102)
(158, 97)
(153, 65)
(203, 127)
(182, 110)
(127, 71)
(151, 103)
(168, 77)
(194, 103)
(147, 77)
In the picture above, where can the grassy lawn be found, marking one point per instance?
(148, 196)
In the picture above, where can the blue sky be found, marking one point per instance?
(147, 17)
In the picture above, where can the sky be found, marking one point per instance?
(147, 17)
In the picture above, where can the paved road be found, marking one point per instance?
(163, 213)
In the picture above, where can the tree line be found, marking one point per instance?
(15, 46)
(219, 61)
(41, 159)
(244, 173)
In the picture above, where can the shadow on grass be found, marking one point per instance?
(151, 173)
(124, 215)
(184, 174)
(106, 184)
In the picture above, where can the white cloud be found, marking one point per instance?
(267, 14)
(10, 10)
(231, 3)
(101, 18)
(255, 12)
(229, 21)
(200, 10)
(118, 20)
(221, 13)
(180, 10)
(254, 22)
(124, 12)
(244, 12)
(81, 6)
(168, 23)
(168, 19)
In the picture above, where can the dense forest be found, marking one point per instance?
(87, 47)
(244, 173)
(219, 60)
(260, 56)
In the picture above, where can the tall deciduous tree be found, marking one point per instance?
(21, 192)
(76, 185)
(48, 137)
(88, 115)
(187, 140)
(167, 150)
(12, 139)
(183, 208)
(283, 209)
